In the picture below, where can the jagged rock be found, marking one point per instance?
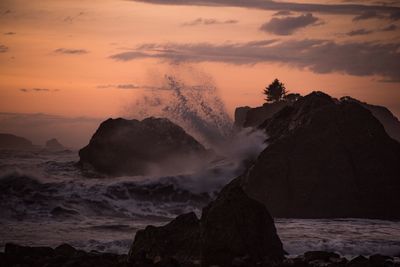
(388, 120)
(178, 240)
(133, 147)
(10, 141)
(54, 145)
(236, 227)
(233, 229)
(327, 158)
(254, 117)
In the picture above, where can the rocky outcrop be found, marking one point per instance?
(388, 120)
(133, 147)
(253, 117)
(62, 256)
(54, 145)
(327, 158)
(179, 241)
(13, 142)
(238, 230)
(234, 229)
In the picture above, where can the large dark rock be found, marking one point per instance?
(54, 145)
(388, 120)
(236, 228)
(135, 147)
(253, 117)
(233, 229)
(327, 158)
(10, 141)
(178, 240)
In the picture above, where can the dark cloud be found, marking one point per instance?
(71, 51)
(283, 13)
(395, 15)
(288, 25)
(319, 56)
(3, 48)
(354, 9)
(390, 28)
(10, 33)
(38, 90)
(371, 14)
(202, 21)
(359, 32)
(127, 86)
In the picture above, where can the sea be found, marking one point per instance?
(46, 200)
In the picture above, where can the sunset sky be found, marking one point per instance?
(93, 59)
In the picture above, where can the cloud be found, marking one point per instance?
(283, 13)
(202, 21)
(38, 90)
(390, 28)
(3, 48)
(319, 56)
(128, 87)
(71, 51)
(354, 9)
(395, 15)
(289, 25)
(359, 32)
(371, 14)
(10, 33)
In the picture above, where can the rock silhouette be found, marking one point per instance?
(254, 117)
(10, 141)
(133, 147)
(327, 158)
(54, 145)
(233, 228)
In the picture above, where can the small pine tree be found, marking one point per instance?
(274, 92)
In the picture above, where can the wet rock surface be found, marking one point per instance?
(132, 147)
(326, 159)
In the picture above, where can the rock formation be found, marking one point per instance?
(233, 229)
(13, 142)
(253, 117)
(327, 158)
(54, 145)
(133, 147)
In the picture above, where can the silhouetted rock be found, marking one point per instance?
(62, 256)
(135, 147)
(327, 158)
(178, 240)
(233, 229)
(236, 228)
(388, 120)
(10, 141)
(253, 117)
(54, 145)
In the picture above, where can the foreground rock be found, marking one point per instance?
(62, 256)
(237, 230)
(327, 158)
(13, 142)
(233, 229)
(54, 145)
(65, 255)
(121, 147)
(177, 241)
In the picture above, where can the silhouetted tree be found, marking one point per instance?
(275, 91)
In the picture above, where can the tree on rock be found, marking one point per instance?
(274, 92)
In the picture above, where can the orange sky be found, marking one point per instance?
(87, 34)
